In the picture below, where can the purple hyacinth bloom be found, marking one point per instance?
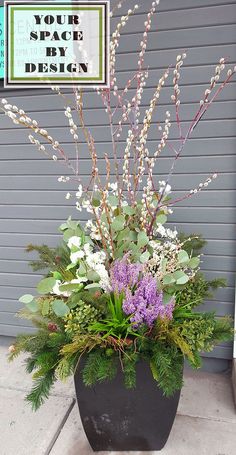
(124, 275)
(146, 304)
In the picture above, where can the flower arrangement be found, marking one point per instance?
(124, 286)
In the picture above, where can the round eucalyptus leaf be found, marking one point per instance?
(45, 286)
(183, 257)
(118, 223)
(27, 298)
(33, 306)
(60, 308)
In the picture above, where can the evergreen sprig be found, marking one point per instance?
(129, 369)
(53, 259)
(99, 367)
(41, 390)
(166, 364)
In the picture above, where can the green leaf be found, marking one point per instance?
(71, 287)
(133, 236)
(144, 257)
(181, 277)
(82, 269)
(68, 233)
(119, 252)
(93, 276)
(57, 275)
(127, 210)
(113, 201)
(164, 264)
(142, 239)
(167, 298)
(63, 227)
(45, 307)
(93, 286)
(33, 306)
(45, 286)
(96, 202)
(194, 263)
(70, 266)
(161, 219)
(168, 279)
(118, 223)
(183, 257)
(27, 298)
(123, 234)
(60, 308)
(134, 248)
(75, 226)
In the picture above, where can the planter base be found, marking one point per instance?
(118, 419)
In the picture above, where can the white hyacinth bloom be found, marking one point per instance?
(95, 259)
(87, 248)
(74, 257)
(74, 241)
(104, 277)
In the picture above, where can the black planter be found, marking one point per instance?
(115, 418)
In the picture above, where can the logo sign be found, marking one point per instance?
(59, 43)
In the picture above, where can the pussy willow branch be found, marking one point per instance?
(117, 6)
(47, 138)
(197, 118)
(107, 101)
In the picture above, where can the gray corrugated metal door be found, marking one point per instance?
(32, 203)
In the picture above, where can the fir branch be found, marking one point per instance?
(193, 244)
(30, 364)
(19, 346)
(223, 330)
(167, 368)
(129, 369)
(99, 367)
(41, 389)
(53, 259)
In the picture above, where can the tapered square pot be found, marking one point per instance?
(119, 419)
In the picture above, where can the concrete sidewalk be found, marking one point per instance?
(205, 424)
